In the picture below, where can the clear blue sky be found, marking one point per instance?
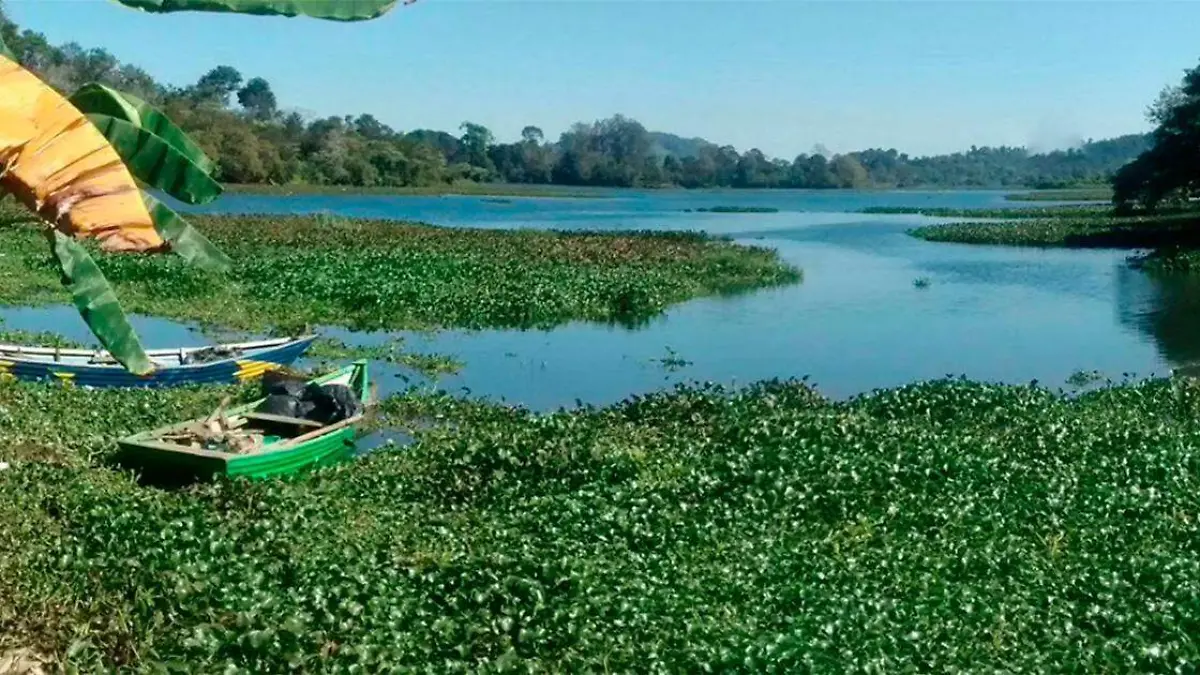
(780, 75)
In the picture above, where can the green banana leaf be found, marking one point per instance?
(338, 10)
(98, 304)
(97, 99)
(6, 52)
(157, 163)
(184, 239)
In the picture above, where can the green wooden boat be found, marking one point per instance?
(279, 445)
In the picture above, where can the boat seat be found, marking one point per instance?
(283, 419)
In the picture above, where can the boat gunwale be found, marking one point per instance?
(18, 353)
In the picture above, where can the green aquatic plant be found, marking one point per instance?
(950, 526)
(39, 339)
(1065, 211)
(330, 349)
(672, 361)
(292, 271)
(1099, 193)
(1145, 231)
(734, 209)
(1085, 378)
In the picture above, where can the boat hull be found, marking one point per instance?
(323, 451)
(244, 368)
(147, 453)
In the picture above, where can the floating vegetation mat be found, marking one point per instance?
(947, 526)
(294, 271)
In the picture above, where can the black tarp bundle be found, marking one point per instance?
(290, 396)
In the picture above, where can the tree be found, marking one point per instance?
(369, 127)
(257, 99)
(476, 139)
(1171, 166)
(217, 85)
(849, 172)
(93, 159)
(532, 134)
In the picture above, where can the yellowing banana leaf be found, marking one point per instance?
(98, 304)
(98, 99)
(61, 167)
(156, 162)
(185, 239)
(340, 10)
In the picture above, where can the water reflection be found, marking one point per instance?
(1166, 308)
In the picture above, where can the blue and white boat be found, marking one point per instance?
(216, 364)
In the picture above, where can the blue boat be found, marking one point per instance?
(216, 364)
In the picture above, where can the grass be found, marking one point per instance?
(295, 271)
(465, 188)
(946, 526)
(1102, 193)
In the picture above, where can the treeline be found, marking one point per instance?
(240, 123)
(1168, 172)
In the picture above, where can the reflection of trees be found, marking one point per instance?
(1165, 307)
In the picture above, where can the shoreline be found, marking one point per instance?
(545, 191)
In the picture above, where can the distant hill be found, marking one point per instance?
(240, 124)
(663, 144)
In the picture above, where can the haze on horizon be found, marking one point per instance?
(921, 77)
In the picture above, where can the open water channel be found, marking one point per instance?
(857, 321)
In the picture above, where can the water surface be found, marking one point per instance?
(857, 322)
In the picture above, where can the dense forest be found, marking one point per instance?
(1166, 172)
(239, 122)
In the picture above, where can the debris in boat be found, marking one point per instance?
(208, 354)
(290, 396)
(23, 662)
(218, 432)
(332, 403)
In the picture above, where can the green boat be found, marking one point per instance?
(243, 442)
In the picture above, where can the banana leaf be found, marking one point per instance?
(97, 99)
(157, 163)
(5, 51)
(184, 239)
(98, 304)
(338, 10)
(63, 169)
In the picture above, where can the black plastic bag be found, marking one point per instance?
(282, 383)
(332, 403)
(280, 404)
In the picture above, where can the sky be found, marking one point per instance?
(779, 75)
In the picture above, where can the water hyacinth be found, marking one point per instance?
(291, 271)
(943, 526)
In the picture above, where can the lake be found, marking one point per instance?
(857, 322)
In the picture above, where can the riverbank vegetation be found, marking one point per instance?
(734, 209)
(1058, 211)
(458, 188)
(239, 122)
(949, 525)
(1096, 193)
(1098, 231)
(1166, 172)
(289, 272)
